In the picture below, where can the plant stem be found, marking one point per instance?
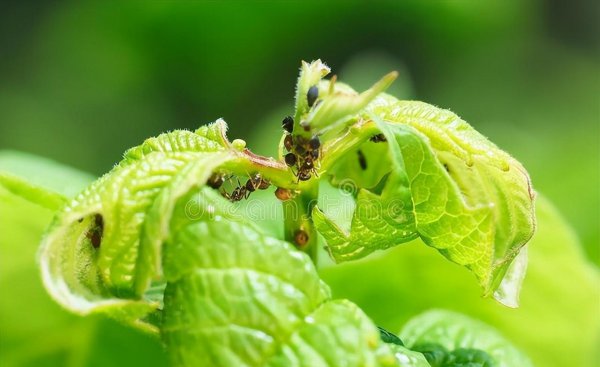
(298, 222)
(297, 210)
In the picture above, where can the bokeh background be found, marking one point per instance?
(80, 82)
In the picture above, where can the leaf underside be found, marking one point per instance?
(442, 182)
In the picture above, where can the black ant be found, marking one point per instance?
(237, 194)
(303, 154)
(243, 191)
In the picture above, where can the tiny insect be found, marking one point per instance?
(300, 146)
(95, 233)
(215, 180)
(362, 161)
(312, 95)
(288, 124)
(301, 238)
(259, 182)
(308, 164)
(288, 142)
(283, 194)
(314, 143)
(237, 194)
(303, 175)
(251, 185)
(290, 159)
(379, 138)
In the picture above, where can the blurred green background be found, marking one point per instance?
(82, 82)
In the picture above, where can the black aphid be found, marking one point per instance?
(288, 124)
(215, 180)
(362, 161)
(291, 159)
(312, 95)
(379, 138)
(314, 143)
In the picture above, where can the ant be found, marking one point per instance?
(303, 152)
(237, 194)
(255, 181)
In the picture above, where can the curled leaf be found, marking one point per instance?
(102, 250)
(439, 180)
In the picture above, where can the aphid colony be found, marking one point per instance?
(302, 156)
(303, 152)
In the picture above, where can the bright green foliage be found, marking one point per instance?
(444, 182)
(36, 331)
(557, 323)
(461, 338)
(247, 311)
(134, 200)
(150, 245)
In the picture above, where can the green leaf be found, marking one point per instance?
(462, 336)
(133, 202)
(472, 201)
(238, 297)
(388, 337)
(379, 222)
(556, 324)
(232, 295)
(35, 330)
(209, 138)
(441, 181)
(39, 180)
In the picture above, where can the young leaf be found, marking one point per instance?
(238, 297)
(472, 201)
(96, 255)
(379, 222)
(554, 251)
(462, 338)
(445, 183)
(35, 330)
